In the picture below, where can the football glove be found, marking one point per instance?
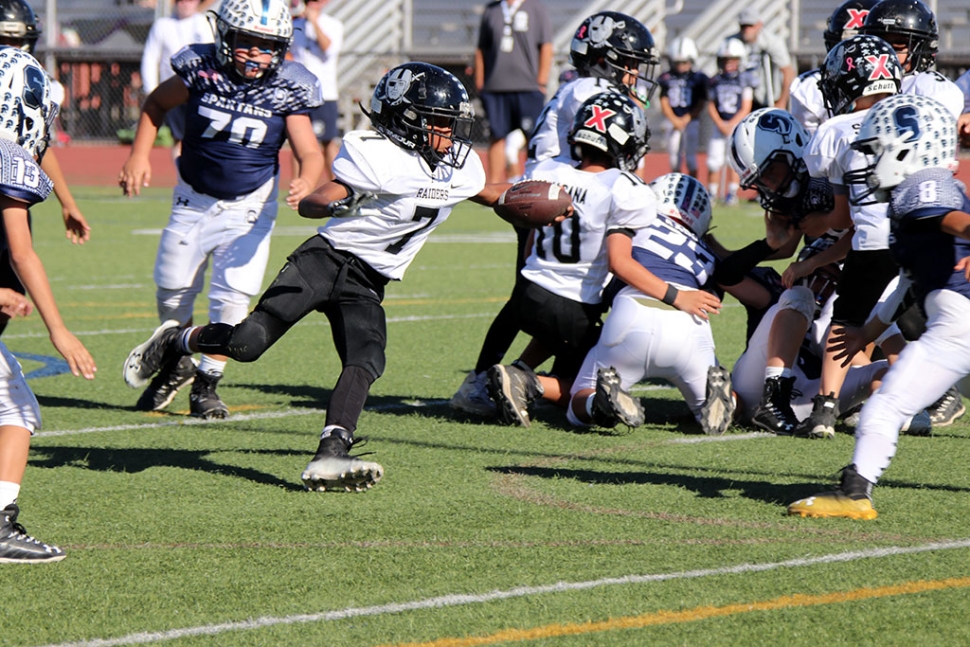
(350, 206)
(817, 197)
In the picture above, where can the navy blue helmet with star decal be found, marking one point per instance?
(415, 102)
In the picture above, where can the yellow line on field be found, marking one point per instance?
(695, 614)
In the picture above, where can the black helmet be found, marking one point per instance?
(412, 100)
(846, 21)
(858, 67)
(611, 122)
(913, 21)
(18, 22)
(609, 44)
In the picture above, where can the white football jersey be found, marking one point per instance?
(829, 156)
(550, 138)
(935, 85)
(807, 105)
(569, 258)
(20, 176)
(411, 200)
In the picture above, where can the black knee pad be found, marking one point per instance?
(214, 338)
(912, 323)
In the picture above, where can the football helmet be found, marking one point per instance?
(764, 137)
(18, 23)
(268, 20)
(611, 122)
(682, 49)
(611, 45)
(685, 200)
(900, 136)
(846, 21)
(908, 20)
(26, 110)
(417, 101)
(859, 66)
(730, 48)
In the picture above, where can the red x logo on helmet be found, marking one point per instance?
(856, 18)
(880, 71)
(599, 117)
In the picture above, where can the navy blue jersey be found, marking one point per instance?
(726, 91)
(234, 130)
(683, 91)
(924, 252)
(673, 253)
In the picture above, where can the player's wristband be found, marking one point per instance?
(671, 295)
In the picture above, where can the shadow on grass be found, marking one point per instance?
(49, 401)
(133, 460)
(708, 487)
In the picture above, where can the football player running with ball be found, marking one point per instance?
(243, 102)
(393, 186)
(910, 144)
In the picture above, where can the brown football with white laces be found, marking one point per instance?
(533, 203)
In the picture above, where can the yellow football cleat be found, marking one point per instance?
(852, 499)
(833, 504)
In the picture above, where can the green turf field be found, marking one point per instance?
(201, 534)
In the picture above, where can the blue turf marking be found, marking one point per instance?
(51, 365)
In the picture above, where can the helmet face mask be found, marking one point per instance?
(767, 148)
(730, 49)
(859, 66)
(611, 123)
(26, 110)
(900, 136)
(617, 47)
(18, 25)
(238, 25)
(684, 199)
(910, 23)
(425, 109)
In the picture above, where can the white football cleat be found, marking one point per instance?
(333, 469)
(147, 358)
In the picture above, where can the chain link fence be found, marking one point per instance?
(94, 48)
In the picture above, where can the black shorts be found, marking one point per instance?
(865, 274)
(317, 277)
(566, 328)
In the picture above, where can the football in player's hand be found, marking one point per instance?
(533, 203)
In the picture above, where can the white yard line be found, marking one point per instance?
(459, 599)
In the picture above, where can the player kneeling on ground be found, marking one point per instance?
(393, 186)
(659, 323)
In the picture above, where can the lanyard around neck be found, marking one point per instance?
(509, 12)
